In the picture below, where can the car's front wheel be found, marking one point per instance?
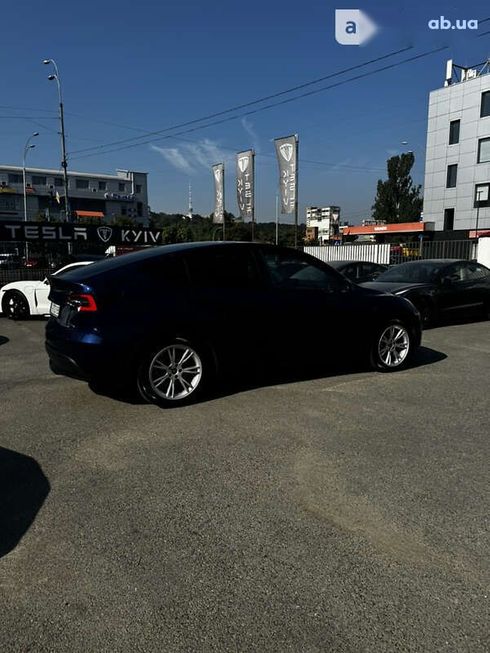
(15, 305)
(391, 349)
(173, 374)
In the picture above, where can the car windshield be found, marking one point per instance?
(423, 272)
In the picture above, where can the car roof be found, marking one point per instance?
(435, 261)
(116, 262)
(349, 262)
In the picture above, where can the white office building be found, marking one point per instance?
(322, 223)
(457, 168)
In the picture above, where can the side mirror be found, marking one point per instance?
(46, 281)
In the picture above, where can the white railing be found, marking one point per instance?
(375, 253)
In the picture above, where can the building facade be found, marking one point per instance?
(90, 195)
(322, 223)
(457, 168)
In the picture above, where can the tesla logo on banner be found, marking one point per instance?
(243, 163)
(104, 233)
(286, 151)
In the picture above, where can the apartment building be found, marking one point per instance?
(91, 195)
(322, 223)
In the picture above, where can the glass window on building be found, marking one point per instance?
(15, 179)
(102, 185)
(454, 131)
(138, 188)
(122, 187)
(452, 175)
(448, 219)
(8, 203)
(38, 180)
(482, 195)
(485, 104)
(58, 182)
(81, 184)
(484, 150)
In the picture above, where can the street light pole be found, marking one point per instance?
(27, 147)
(64, 164)
(478, 195)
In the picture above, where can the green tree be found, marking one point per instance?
(398, 198)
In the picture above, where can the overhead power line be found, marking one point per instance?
(264, 108)
(251, 103)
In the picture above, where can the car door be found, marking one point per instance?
(458, 291)
(228, 297)
(311, 308)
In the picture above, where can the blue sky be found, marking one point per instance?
(128, 68)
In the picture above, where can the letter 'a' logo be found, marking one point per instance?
(243, 163)
(104, 233)
(217, 174)
(286, 151)
(353, 27)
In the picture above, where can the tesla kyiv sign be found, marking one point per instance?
(38, 231)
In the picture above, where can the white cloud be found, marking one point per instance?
(187, 156)
(249, 128)
(175, 157)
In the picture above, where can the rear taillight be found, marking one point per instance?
(83, 303)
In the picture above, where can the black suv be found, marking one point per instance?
(172, 318)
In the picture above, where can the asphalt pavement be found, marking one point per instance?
(343, 513)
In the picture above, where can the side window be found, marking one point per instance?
(292, 270)
(475, 272)
(222, 267)
(351, 272)
(368, 269)
(456, 272)
(164, 271)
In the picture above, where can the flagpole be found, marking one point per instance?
(296, 196)
(224, 217)
(277, 218)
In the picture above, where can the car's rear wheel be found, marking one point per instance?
(173, 374)
(15, 305)
(392, 347)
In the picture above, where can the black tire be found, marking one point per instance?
(486, 310)
(178, 381)
(390, 353)
(15, 305)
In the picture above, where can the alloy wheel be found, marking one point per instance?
(175, 372)
(393, 346)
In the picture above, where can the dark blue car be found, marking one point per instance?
(169, 320)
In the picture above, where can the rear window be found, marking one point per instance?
(165, 271)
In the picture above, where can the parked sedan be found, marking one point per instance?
(21, 299)
(171, 319)
(358, 271)
(440, 287)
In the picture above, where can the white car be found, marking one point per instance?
(21, 299)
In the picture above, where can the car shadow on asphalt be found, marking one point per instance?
(3, 340)
(252, 379)
(23, 490)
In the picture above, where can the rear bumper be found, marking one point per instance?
(80, 355)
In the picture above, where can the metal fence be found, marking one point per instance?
(366, 252)
(23, 274)
(393, 254)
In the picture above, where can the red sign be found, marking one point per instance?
(392, 228)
